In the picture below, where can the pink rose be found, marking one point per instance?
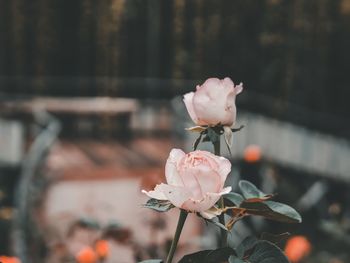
(195, 181)
(213, 103)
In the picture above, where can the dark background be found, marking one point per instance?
(292, 56)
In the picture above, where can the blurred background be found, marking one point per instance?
(90, 106)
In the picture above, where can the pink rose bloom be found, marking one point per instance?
(195, 181)
(213, 103)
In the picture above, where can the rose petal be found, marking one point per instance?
(210, 102)
(206, 203)
(208, 179)
(175, 155)
(227, 82)
(230, 108)
(175, 194)
(239, 88)
(188, 100)
(196, 129)
(212, 82)
(224, 169)
(211, 213)
(224, 191)
(207, 215)
(200, 205)
(209, 158)
(216, 163)
(157, 193)
(216, 196)
(191, 182)
(171, 172)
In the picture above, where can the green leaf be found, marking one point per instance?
(246, 245)
(274, 238)
(258, 251)
(234, 259)
(256, 204)
(216, 223)
(209, 256)
(272, 210)
(235, 198)
(266, 252)
(152, 261)
(159, 205)
(249, 190)
(284, 209)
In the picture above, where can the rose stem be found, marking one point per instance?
(180, 224)
(216, 145)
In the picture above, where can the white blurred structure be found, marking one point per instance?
(295, 146)
(11, 142)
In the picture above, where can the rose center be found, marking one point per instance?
(192, 161)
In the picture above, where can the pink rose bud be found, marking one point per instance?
(195, 181)
(213, 103)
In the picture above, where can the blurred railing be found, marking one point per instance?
(294, 146)
(22, 222)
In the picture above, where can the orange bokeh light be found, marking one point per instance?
(252, 153)
(4, 259)
(102, 248)
(86, 255)
(297, 248)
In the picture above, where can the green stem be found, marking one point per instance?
(216, 145)
(180, 224)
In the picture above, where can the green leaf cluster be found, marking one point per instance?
(251, 250)
(254, 202)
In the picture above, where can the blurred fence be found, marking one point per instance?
(294, 146)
